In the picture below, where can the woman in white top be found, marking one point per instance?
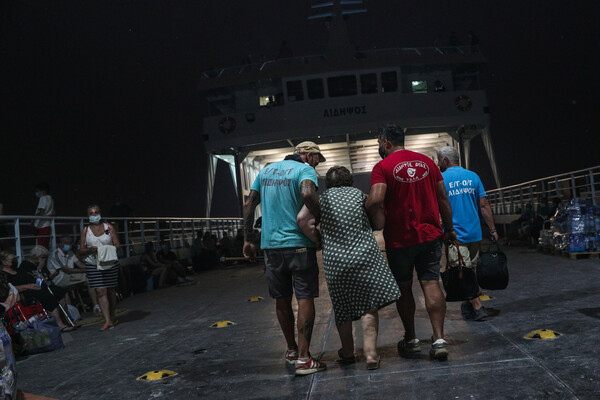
(103, 281)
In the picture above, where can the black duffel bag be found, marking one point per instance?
(460, 282)
(492, 269)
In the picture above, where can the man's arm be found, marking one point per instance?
(308, 189)
(488, 217)
(446, 212)
(374, 205)
(252, 201)
(306, 222)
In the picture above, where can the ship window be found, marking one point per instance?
(368, 83)
(266, 100)
(315, 89)
(295, 91)
(342, 86)
(389, 82)
(419, 86)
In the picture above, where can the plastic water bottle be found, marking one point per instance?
(39, 281)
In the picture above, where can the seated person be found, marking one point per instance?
(24, 280)
(65, 269)
(151, 265)
(167, 257)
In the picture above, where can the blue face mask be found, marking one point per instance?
(38, 194)
(94, 219)
(67, 247)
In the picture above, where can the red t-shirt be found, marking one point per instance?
(411, 208)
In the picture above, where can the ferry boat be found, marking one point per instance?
(338, 100)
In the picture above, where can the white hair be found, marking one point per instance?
(449, 152)
(38, 251)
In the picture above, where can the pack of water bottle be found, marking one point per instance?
(576, 225)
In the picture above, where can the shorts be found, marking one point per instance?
(469, 251)
(292, 269)
(424, 257)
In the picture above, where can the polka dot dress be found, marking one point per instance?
(356, 272)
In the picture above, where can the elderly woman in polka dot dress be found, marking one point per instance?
(358, 277)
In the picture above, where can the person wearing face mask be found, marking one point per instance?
(283, 188)
(406, 199)
(24, 279)
(66, 270)
(103, 281)
(44, 208)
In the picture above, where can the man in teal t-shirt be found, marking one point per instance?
(291, 266)
(467, 197)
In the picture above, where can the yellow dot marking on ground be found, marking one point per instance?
(156, 375)
(256, 298)
(485, 297)
(222, 324)
(542, 334)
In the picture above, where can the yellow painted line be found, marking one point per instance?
(256, 298)
(156, 375)
(542, 334)
(485, 297)
(222, 324)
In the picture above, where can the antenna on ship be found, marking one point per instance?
(335, 14)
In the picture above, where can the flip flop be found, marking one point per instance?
(344, 359)
(374, 364)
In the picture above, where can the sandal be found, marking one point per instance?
(107, 326)
(345, 360)
(374, 364)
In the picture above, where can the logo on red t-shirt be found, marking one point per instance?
(411, 171)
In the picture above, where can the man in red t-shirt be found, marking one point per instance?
(406, 199)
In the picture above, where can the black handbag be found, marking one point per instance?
(492, 269)
(460, 282)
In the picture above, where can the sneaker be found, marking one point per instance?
(479, 315)
(412, 346)
(309, 367)
(466, 309)
(291, 356)
(438, 350)
(97, 309)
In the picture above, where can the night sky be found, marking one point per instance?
(99, 98)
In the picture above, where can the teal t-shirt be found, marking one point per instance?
(464, 188)
(281, 199)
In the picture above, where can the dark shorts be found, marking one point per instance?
(292, 269)
(424, 257)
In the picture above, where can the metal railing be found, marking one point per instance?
(18, 234)
(513, 199)
(321, 58)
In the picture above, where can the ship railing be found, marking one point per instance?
(18, 235)
(512, 200)
(321, 58)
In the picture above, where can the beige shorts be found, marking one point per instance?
(469, 252)
(71, 279)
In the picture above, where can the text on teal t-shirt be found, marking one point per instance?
(464, 189)
(281, 200)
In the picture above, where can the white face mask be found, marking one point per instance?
(94, 219)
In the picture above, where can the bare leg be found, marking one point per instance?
(92, 293)
(112, 302)
(406, 309)
(103, 303)
(345, 331)
(56, 314)
(306, 322)
(476, 303)
(285, 316)
(370, 326)
(435, 303)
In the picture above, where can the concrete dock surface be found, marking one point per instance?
(169, 329)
